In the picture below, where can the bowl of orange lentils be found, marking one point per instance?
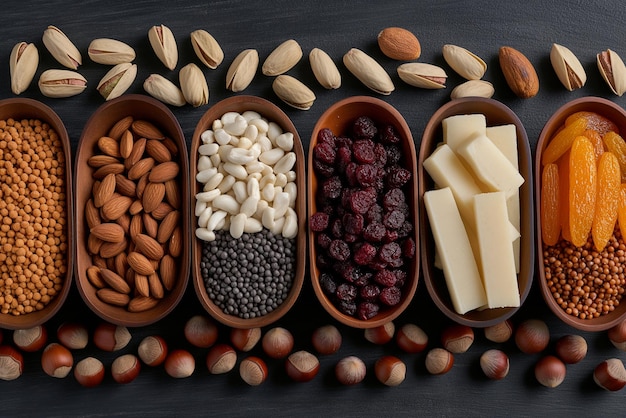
(580, 186)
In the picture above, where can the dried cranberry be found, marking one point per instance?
(389, 135)
(336, 228)
(394, 154)
(328, 209)
(350, 238)
(405, 230)
(328, 284)
(351, 173)
(370, 292)
(365, 254)
(339, 250)
(385, 277)
(348, 271)
(325, 152)
(344, 157)
(390, 296)
(408, 248)
(397, 177)
(390, 236)
(377, 265)
(379, 185)
(363, 150)
(389, 252)
(364, 279)
(323, 241)
(361, 201)
(367, 310)
(323, 169)
(331, 188)
(393, 198)
(393, 219)
(347, 308)
(374, 232)
(380, 155)
(346, 292)
(398, 262)
(400, 277)
(323, 262)
(318, 221)
(364, 127)
(325, 135)
(366, 174)
(374, 214)
(343, 141)
(353, 223)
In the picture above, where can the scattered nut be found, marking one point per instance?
(399, 44)
(152, 350)
(206, 48)
(473, 88)
(467, 64)
(532, 336)
(302, 366)
(610, 374)
(439, 361)
(368, 71)
(242, 70)
(326, 339)
(411, 338)
(221, 359)
(550, 371)
(423, 75)
(125, 368)
(109, 337)
(500, 332)
(179, 364)
(457, 338)
(350, 370)
(164, 45)
(324, 69)
(571, 348)
(253, 370)
(89, 372)
(282, 59)
(277, 343)
(23, 64)
(390, 370)
(30, 339)
(72, 335)
(110, 51)
(11, 363)
(56, 360)
(519, 73)
(613, 71)
(381, 334)
(200, 331)
(495, 364)
(245, 339)
(61, 48)
(567, 67)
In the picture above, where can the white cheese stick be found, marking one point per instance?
(459, 128)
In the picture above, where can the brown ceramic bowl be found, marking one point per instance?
(617, 114)
(21, 108)
(338, 118)
(496, 113)
(140, 108)
(272, 113)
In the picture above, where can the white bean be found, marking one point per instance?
(237, 127)
(280, 204)
(267, 179)
(208, 196)
(228, 117)
(260, 209)
(213, 182)
(290, 229)
(268, 218)
(265, 143)
(240, 156)
(215, 219)
(255, 150)
(252, 226)
(207, 137)
(292, 190)
(205, 235)
(204, 175)
(203, 219)
(224, 151)
(272, 156)
(279, 223)
(251, 132)
(235, 170)
(223, 224)
(254, 167)
(237, 225)
(286, 163)
(204, 162)
(217, 124)
(200, 207)
(250, 115)
(208, 149)
(216, 159)
(256, 176)
(285, 141)
(240, 190)
(267, 192)
(226, 203)
(281, 180)
(253, 188)
(261, 124)
(267, 170)
(222, 137)
(291, 175)
(248, 207)
(245, 142)
(273, 131)
(226, 184)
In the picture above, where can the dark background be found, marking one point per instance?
(586, 27)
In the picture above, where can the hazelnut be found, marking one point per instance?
(109, 337)
(457, 338)
(550, 371)
(439, 361)
(350, 370)
(245, 339)
(89, 372)
(253, 370)
(610, 374)
(30, 339)
(56, 360)
(221, 359)
(326, 339)
(390, 370)
(495, 364)
(617, 336)
(411, 338)
(500, 332)
(180, 364)
(532, 336)
(152, 350)
(11, 363)
(72, 335)
(125, 368)
(200, 331)
(381, 334)
(277, 343)
(302, 366)
(571, 348)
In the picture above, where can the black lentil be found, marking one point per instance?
(249, 276)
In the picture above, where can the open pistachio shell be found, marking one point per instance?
(423, 75)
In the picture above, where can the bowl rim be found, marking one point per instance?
(174, 297)
(408, 293)
(558, 118)
(263, 107)
(525, 162)
(43, 112)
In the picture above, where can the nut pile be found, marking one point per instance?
(33, 215)
(134, 216)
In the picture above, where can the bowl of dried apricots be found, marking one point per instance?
(580, 186)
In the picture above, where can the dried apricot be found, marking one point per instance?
(550, 223)
(582, 189)
(596, 139)
(616, 144)
(563, 164)
(621, 212)
(607, 200)
(595, 121)
(562, 141)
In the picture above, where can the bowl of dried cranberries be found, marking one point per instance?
(363, 212)
(476, 211)
(581, 213)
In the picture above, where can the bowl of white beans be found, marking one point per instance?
(249, 249)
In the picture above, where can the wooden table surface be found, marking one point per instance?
(335, 26)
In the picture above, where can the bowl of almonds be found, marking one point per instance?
(132, 258)
(580, 173)
(36, 207)
(249, 245)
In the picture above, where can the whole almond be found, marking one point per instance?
(139, 263)
(115, 207)
(141, 185)
(519, 73)
(94, 277)
(105, 170)
(167, 271)
(136, 226)
(164, 172)
(121, 264)
(124, 222)
(171, 146)
(153, 194)
(167, 226)
(112, 297)
(161, 211)
(399, 44)
(176, 242)
(148, 246)
(126, 144)
(142, 303)
(136, 207)
(98, 261)
(124, 186)
(109, 146)
(141, 284)
(120, 127)
(150, 225)
(156, 287)
(112, 249)
(145, 129)
(94, 244)
(157, 150)
(92, 215)
(172, 193)
(99, 160)
(136, 154)
(114, 280)
(108, 232)
(104, 191)
(140, 168)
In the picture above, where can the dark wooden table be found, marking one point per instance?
(335, 26)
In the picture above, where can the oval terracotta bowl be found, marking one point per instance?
(496, 113)
(19, 109)
(271, 113)
(144, 108)
(616, 114)
(339, 118)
